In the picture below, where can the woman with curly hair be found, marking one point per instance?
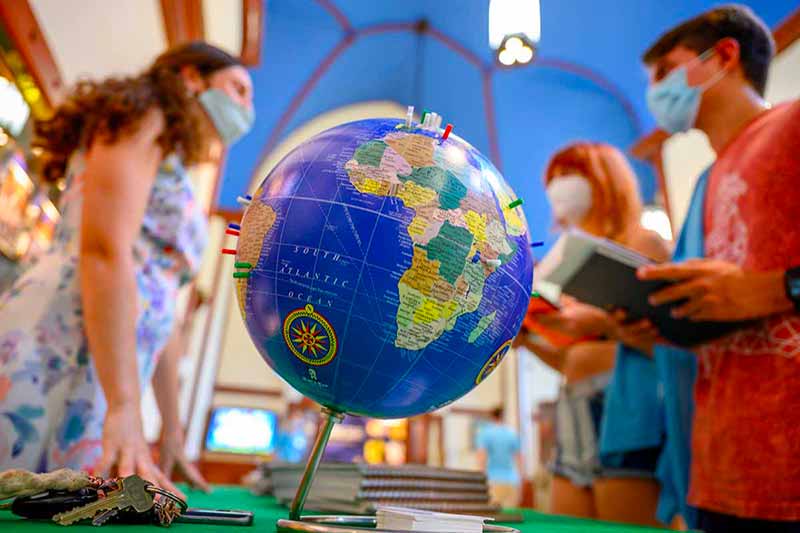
(81, 330)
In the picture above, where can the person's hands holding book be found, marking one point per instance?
(640, 335)
(552, 356)
(717, 290)
(576, 319)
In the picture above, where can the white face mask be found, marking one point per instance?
(570, 197)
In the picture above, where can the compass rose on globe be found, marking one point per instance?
(493, 362)
(309, 336)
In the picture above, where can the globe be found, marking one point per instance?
(383, 271)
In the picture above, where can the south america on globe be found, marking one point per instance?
(383, 271)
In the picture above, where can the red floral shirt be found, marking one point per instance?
(746, 437)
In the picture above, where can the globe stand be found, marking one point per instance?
(335, 523)
(331, 419)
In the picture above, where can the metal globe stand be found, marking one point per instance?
(336, 523)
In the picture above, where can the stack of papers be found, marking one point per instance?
(361, 489)
(407, 519)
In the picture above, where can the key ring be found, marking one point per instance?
(167, 494)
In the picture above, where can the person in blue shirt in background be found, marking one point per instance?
(499, 457)
(294, 435)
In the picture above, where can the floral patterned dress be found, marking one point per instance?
(51, 403)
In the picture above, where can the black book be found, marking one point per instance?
(601, 273)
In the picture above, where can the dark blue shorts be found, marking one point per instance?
(711, 522)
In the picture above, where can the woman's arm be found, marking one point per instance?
(576, 319)
(165, 387)
(116, 185)
(546, 352)
(651, 245)
(117, 180)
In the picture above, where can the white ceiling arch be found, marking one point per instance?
(99, 38)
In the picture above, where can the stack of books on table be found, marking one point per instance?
(404, 519)
(362, 488)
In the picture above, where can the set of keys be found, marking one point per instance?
(67, 497)
(132, 495)
(130, 500)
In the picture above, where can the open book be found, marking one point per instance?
(602, 273)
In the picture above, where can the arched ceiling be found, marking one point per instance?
(587, 82)
(320, 55)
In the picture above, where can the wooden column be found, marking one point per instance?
(417, 442)
(26, 36)
(787, 31)
(252, 31)
(183, 20)
(649, 149)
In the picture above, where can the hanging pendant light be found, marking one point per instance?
(514, 30)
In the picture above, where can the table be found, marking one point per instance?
(267, 511)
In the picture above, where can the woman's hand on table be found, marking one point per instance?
(125, 449)
(172, 458)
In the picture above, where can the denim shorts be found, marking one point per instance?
(579, 413)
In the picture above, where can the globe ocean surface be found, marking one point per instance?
(387, 272)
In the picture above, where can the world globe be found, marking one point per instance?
(383, 271)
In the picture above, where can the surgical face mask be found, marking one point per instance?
(231, 120)
(673, 102)
(570, 197)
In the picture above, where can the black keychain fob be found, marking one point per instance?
(45, 505)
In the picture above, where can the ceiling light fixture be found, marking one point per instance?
(514, 30)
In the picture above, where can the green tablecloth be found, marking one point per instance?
(267, 511)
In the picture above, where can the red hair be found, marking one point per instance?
(616, 203)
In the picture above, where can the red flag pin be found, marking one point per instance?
(447, 131)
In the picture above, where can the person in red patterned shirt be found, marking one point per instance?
(710, 73)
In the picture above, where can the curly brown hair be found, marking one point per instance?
(109, 109)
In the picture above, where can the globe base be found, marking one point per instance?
(335, 523)
(354, 524)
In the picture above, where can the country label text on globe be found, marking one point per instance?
(388, 272)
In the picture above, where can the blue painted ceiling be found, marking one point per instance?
(587, 82)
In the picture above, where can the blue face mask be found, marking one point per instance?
(673, 102)
(231, 120)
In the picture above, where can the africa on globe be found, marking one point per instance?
(383, 270)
